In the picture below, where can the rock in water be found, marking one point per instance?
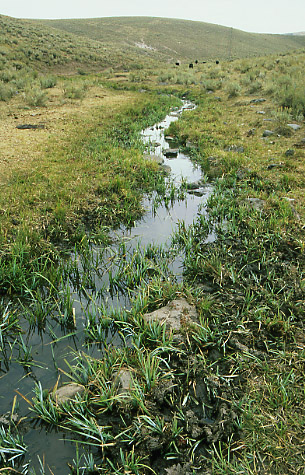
(67, 392)
(171, 152)
(173, 315)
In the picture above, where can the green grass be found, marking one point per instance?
(227, 395)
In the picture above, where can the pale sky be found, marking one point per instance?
(259, 16)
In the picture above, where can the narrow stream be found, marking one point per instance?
(156, 227)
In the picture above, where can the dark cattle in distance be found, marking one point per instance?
(217, 62)
(191, 65)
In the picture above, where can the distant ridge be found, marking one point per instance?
(128, 43)
(170, 39)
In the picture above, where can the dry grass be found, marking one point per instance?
(61, 119)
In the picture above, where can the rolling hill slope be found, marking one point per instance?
(68, 46)
(171, 39)
(31, 44)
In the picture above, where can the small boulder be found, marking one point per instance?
(30, 126)
(235, 148)
(174, 315)
(67, 392)
(300, 144)
(268, 133)
(123, 380)
(257, 101)
(294, 126)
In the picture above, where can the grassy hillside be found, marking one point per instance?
(28, 44)
(173, 39)
(68, 46)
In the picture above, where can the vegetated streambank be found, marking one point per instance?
(220, 394)
(227, 395)
(97, 329)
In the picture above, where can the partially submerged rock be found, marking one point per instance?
(8, 418)
(171, 152)
(68, 392)
(174, 315)
(193, 186)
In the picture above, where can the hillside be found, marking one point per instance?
(32, 45)
(67, 46)
(171, 39)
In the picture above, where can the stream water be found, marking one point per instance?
(156, 227)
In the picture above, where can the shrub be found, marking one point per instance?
(48, 82)
(210, 85)
(255, 86)
(270, 88)
(73, 92)
(35, 97)
(7, 75)
(233, 89)
(6, 92)
(293, 97)
(185, 78)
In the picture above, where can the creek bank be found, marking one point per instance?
(129, 377)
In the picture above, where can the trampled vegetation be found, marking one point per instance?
(222, 394)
